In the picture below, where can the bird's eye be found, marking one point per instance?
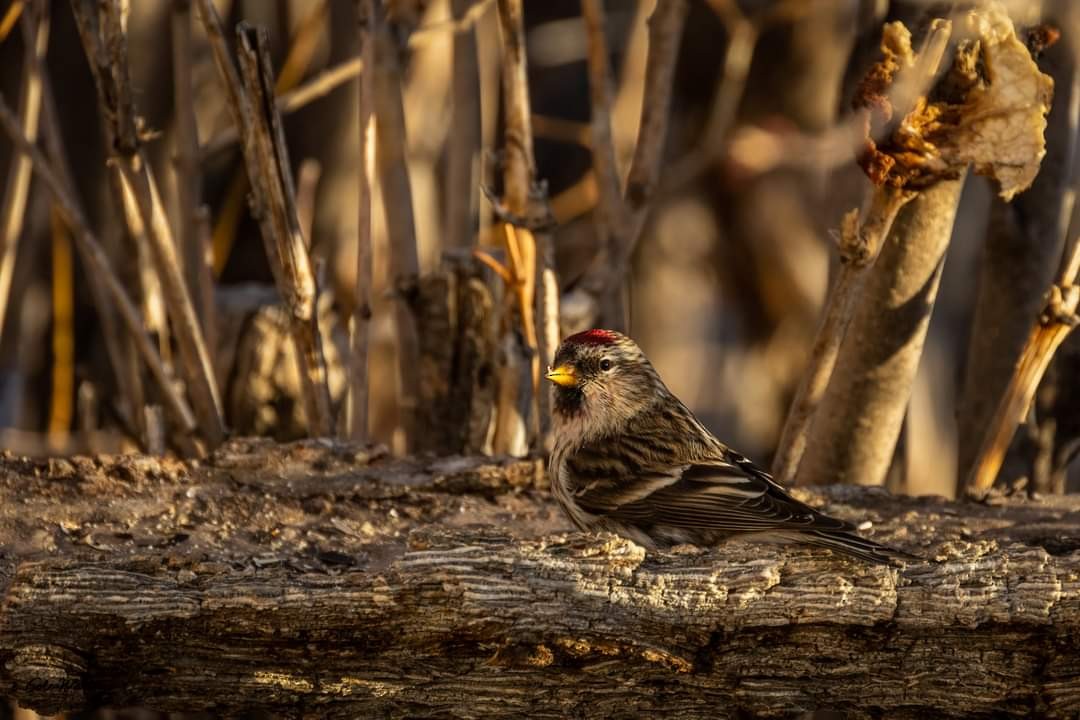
(605, 364)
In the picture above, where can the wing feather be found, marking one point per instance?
(721, 495)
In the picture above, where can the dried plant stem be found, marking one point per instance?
(519, 165)
(622, 214)
(105, 41)
(1024, 242)
(11, 16)
(121, 350)
(463, 143)
(853, 434)
(13, 210)
(313, 89)
(860, 243)
(742, 37)
(329, 80)
(521, 248)
(97, 264)
(1057, 320)
(665, 36)
(273, 201)
(357, 422)
(287, 248)
(194, 251)
(301, 50)
(518, 368)
(562, 130)
(609, 212)
(546, 304)
(141, 195)
(118, 131)
(391, 160)
(62, 394)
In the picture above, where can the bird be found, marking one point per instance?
(628, 457)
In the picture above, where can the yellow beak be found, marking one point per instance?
(562, 375)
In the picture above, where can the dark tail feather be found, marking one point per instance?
(851, 544)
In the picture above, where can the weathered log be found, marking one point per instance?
(309, 579)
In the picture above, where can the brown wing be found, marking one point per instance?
(728, 495)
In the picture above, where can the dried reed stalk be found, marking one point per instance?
(360, 330)
(463, 142)
(97, 264)
(16, 190)
(623, 213)
(1057, 320)
(391, 162)
(104, 34)
(518, 369)
(194, 249)
(121, 350)
(273, 202)
(610, 213)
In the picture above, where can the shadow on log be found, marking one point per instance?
(309, 579)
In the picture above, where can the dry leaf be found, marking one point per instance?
(989, 111)
(1002, 124)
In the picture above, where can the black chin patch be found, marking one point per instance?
(568, 400)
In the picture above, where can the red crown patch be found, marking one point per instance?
(593, 337)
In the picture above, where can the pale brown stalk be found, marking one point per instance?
(1057, 320)
(609, 213)
(332, 78)
(129, 255)
(519, 367)
(860, 243)
(272, 201)
(360, 330)
(519, 166)
(97, 264)
(285, 246)
(141, 195)
(1023, 247)
(853, 433)
(197, 271)
(121, 350)
(103, 30)
(622, 214)
(391, 162)
(665, 37)
(301, 51)
(16, 190)
(463, 142)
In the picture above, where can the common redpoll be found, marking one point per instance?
(631, 459)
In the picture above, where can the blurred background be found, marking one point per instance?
(727, 281)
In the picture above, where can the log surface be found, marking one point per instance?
(306, 579)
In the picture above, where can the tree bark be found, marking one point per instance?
(858, 421)
(314, 579)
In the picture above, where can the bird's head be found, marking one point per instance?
(603, 376)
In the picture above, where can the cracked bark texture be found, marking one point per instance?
(313, 579)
